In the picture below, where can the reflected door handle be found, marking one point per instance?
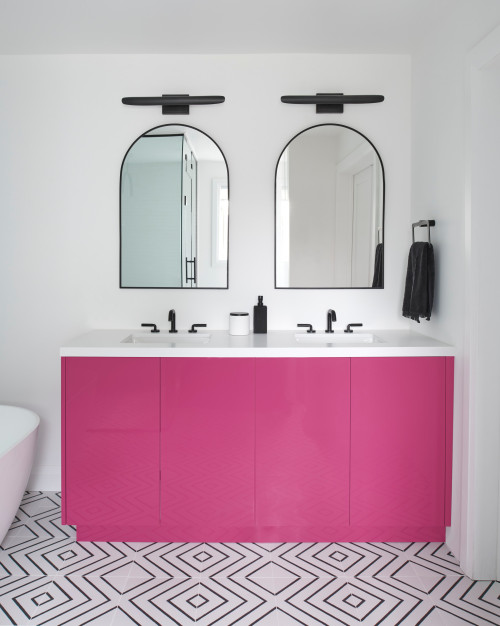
(193, 277)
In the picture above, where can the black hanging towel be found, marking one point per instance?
(419, 286)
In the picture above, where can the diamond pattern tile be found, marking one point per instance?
(47, 577)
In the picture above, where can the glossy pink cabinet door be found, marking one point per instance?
(398, 422)
(208, 444)
(112, 441)
(302, 442)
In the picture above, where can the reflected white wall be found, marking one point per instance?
(210, 271)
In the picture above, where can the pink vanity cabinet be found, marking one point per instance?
(302, 448)
(208, 449)
(401, 445)
(257, 449)
(111, 442)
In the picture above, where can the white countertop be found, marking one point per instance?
(279, 343)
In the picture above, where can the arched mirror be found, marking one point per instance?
(329, 211)
(174, 211)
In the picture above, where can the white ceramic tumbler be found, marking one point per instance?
(239, 323)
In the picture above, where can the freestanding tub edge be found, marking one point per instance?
(18, 431)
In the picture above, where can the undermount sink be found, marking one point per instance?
(168, 338)
(336, 338)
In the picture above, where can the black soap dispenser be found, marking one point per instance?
(260, 316)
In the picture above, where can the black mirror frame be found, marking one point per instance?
(275, 207)
(120, 207)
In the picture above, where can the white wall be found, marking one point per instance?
(64, 133)
(439, 169)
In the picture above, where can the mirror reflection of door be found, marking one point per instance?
(167, 211)
(329, 210)
(362, 256)
(189, 195)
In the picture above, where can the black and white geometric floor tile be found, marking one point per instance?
(47, 577)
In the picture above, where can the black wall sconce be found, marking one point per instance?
(173, 104)
(331, 102)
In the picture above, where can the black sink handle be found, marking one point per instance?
(152, 326)
(195, 326)
(309, 326)
(349, 326)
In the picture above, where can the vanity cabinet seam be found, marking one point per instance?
(350, 438)
(63, 440)
(255, 442)
(449, 401)
(160, 508)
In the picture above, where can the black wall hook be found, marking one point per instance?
(422, 224)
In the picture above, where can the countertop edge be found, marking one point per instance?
(276, 344)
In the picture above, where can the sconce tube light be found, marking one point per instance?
(331, 102)
(173, 104)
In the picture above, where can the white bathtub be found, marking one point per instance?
(18, 429)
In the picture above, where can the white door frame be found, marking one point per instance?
(359, 159)
(477, 530)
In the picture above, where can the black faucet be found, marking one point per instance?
(195, 326)
(309, 326)
(152, 326)
(331, 317)
(349, 326)
(171, 319)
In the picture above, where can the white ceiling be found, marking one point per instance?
(216, 26)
